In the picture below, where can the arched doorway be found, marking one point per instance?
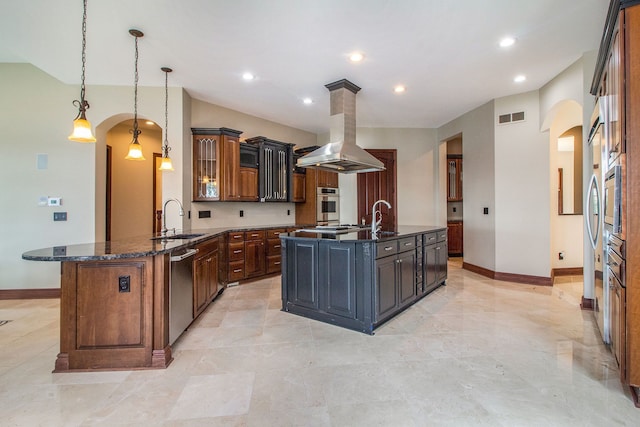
(131, 187)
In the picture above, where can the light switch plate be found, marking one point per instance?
(54, 201)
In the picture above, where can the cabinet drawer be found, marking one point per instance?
(273, 264)
(430, 239)
(442, 236)
(254, 235)
(236, 237)
(236, 271)
(275, 233)
(387, 248)
(207, 246)
(273, 247)
(236, 251)
(406, 244)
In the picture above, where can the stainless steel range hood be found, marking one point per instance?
(342, 154)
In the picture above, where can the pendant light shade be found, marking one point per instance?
(166, 164)
(81, 126)
(135, 148)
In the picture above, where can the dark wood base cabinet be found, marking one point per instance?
(105, 324)
(360, 284)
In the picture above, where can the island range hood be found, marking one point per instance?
(342, 154)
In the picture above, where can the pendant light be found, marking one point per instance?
(166, 164)
(82, 126)
(135, 149)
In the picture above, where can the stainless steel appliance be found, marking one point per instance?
(181, 292)
(328, 206)
(613, 200)
(342, 154)
(595, 221)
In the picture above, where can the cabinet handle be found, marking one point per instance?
(277, 233)
(437, 248)
(237, 270)
(388, 248)
(254, 235)
(237, 237)
(277, 263)
(432, 238)
(615, 264)
(276, 246)
(408, 244)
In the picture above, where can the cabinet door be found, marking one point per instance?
(386, 284)
(206, 167)
(407, 277)
(431, 266)
(213, 282)
(326, 179)
(299, 182)
(454, 180)
(302, 273)
(201, 278)
(230, 168)
(614, 100)
(254, 258)
(249, 184)
(454, 237)
(337, 278)
(441, 262)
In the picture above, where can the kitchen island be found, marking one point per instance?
(356, 281)
(122, 303)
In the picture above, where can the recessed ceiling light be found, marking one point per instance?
(356, 57)
(308, 101)
(248, 76)
(399, 89)
(520, 78)
(507, 41)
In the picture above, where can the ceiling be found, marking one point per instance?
(445, 52)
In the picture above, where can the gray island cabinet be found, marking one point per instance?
(357, 282)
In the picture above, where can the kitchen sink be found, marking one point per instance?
(184, 236)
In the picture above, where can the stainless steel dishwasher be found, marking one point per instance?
(180, 292)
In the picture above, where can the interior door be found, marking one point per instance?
(374, 186)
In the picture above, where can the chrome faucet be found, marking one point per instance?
(164, 230)
(376, 217)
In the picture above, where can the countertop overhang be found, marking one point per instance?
(132, 247)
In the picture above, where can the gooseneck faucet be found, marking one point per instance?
(376, 217)
(164, 230)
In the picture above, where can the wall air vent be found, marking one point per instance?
(511, 118)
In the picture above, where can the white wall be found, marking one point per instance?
(522, 189)
(37, 118)
(416, 173)
(566, 230)
(477, 130)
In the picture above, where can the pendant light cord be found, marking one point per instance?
(135, 131)
(84, 49)
(166, 113)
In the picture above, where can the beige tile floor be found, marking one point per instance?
(474, 353)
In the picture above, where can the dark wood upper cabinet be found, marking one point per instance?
(216, 164)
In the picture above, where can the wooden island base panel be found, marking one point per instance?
(106, 325)
(357, 282)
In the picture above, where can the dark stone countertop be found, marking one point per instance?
(365, 234)
(132, 247)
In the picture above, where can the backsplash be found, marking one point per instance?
(227, 214)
